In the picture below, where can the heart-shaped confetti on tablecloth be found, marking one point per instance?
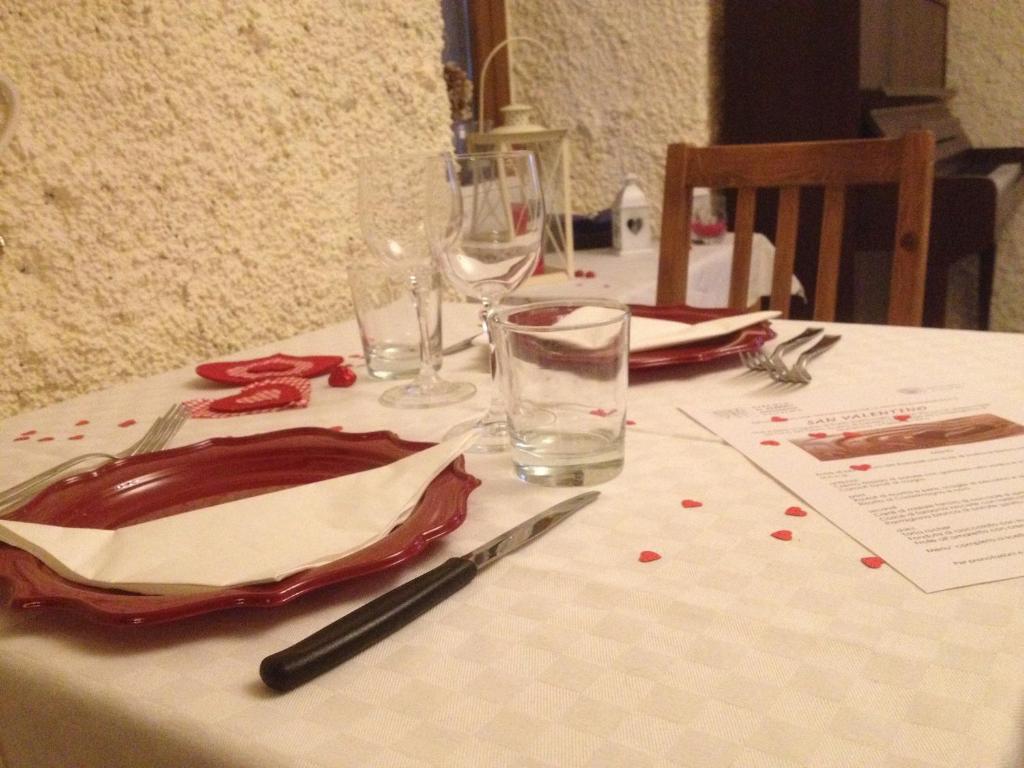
(779, 418)
(258, 397)
(770, 442)
(873, 562)
(272, 367)
(782, 535)
(817, 435)
(342, 376)
(902, 417)
(692, 503)
(648, 556)
(860, 467)
(796, 512)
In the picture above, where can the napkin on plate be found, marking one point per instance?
(260, 539)
(653, 333)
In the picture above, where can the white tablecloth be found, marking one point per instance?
(734, 649)
(633, 277)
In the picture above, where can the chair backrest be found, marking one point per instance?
(832, 165)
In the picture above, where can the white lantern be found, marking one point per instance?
(551, 147)
(631, 218)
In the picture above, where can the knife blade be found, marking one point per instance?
(384, 615)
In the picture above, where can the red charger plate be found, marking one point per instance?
(164, 483)
(745, 340)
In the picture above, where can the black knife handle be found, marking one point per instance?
(357, 631)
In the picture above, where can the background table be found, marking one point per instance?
(633, 277)
(734, 649)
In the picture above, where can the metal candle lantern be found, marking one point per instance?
(551, 147)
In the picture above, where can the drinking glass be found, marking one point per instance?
(393, 208)
(493, 251)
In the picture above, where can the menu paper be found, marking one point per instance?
(929, 478)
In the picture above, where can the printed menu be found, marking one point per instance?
(929, 478)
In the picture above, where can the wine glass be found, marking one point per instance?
(392, 206)
(493, 252)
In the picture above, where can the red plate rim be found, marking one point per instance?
(167, 482)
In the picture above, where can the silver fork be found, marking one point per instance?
(761, 361)
(156, 437)
(799, 374)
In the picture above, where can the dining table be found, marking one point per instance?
(729, 648)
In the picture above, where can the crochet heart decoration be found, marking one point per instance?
(274, 366)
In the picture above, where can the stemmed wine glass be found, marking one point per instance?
(393, 205)
(493, 252)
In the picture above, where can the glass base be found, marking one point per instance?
(492, 437)
(418, 395)
(567, 458)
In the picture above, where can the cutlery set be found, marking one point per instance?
(774, 365)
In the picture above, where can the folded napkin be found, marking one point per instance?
(260, 539)
(652, 333)
(649, 332)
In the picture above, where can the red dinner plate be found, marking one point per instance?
(164, 483)
(745, 340)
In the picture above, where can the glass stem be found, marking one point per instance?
(496, 410)
(427, 375)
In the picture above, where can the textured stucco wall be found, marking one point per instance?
(181, 184)
(626, 78)
(985, 64)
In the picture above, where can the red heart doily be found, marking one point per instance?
(272, 367)
(258, 397)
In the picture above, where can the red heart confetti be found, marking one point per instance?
(22, 438)
(782, 535)
(647, 556)
(342, 376)
(630, 423)
(45, 439)
(770, 442)
(902, 416)
(589, 274)
(692, 504)
(337, 428)
(602, 412)
(860, 467)
(851, 434)
(127, 423)
(76, 437)
(817, 435)
(779, 418)
(258, 396)
(873, 562)
(796, 512)
(81, 422)
(28, 432)
(578, 273)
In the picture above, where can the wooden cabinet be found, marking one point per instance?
(807, 70)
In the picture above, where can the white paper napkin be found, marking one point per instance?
(653, 333)
(262, 538)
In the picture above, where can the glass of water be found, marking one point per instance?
(565, 371)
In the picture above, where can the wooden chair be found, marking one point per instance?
(832, 165)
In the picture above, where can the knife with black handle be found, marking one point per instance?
(372, 622)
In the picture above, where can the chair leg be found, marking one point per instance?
(936, 291)
(986, 275)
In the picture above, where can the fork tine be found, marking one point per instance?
(161, 432)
